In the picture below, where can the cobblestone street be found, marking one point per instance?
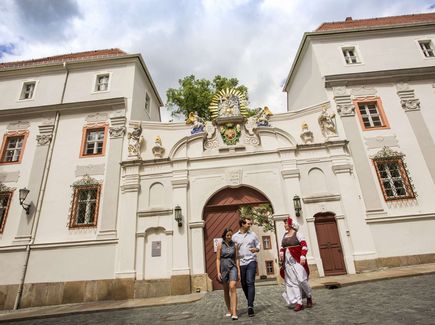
(408, 300)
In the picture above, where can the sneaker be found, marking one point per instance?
(228, 315)
(309, 302)
(251, 312)
(234, 317)
(298, 307)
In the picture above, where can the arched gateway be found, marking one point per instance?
(222, 211)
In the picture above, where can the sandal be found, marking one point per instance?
(228, 315)
(234, 317)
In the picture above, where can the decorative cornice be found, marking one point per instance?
(117, 131)
(197, 224)
(155, 212)
(322, 198)
(410, 104)
(290, 173)
(342, 168)
(180, 183)
(346, 109)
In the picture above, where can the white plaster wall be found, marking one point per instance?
(71, 264)
(11, 266)
(157, 267)
(48, 90)
(307, 88)
(377, 52)
(141, 87)
(425, 92)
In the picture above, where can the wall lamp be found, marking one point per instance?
(297, 205)
(178, 215)
(22, 196)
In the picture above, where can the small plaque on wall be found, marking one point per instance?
(156, 248)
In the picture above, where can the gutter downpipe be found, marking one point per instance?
(40, 196)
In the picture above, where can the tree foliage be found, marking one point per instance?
(261, 215)
(195, 95)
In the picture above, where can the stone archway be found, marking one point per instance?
(220, 212)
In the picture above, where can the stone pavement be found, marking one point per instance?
(404, 299)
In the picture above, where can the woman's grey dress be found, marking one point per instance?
(228, 264)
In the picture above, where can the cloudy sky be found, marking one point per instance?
(252, 40)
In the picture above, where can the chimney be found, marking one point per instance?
(348, 19)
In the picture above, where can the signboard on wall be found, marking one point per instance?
(156, 248)
(216, 242)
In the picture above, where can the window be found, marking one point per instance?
(28, 90)
(86, 199)
(266, 242)
(93, 143)
(349, 54)
(427, 48)
(5, 200)
(393, 178)
(269, 268)
(371, 114)
(13, 145)
(102, 82)
(147, 104)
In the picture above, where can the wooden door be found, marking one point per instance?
(222, 211)
(216, 222)
(329, 244)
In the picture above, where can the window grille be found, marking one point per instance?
(5, 200)
(12, 148)
(269, 268)
(85, 205)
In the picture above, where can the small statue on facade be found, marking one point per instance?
(327, 124)
(306, 135)
(262, 117)
(196, 121)
(158, 149)
(135, 141)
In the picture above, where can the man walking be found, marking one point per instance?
(249, 245)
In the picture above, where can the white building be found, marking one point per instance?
(124, 206)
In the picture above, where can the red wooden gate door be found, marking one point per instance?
(329, 244)
(222, 211)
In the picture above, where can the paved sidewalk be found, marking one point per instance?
(342, 280)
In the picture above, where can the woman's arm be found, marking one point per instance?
(304, 246)
(218, 260)
(236, 256)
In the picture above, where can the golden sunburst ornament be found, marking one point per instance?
(228, 102)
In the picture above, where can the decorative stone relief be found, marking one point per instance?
(44, 139)
(339, 91)
(326, 123)
(402, 86)
(363, 91)
(86, 180)
(97, 117)
(306, 134)
(158, 149)
(346, 109)
(381, 141)
(250, 125)
(210, 129)
(89, 170)
(234, 177)
(410, 104)
(117, 131)
(4, 188)
(135, 141)
(19, 125)
(9, 177)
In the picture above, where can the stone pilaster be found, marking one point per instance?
(411, 106)
(117, 131)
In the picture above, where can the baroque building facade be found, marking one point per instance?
(123, 206)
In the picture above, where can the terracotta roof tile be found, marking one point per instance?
(372, 22)
(64, 57)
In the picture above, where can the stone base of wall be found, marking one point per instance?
(382, 262)
(45, 294)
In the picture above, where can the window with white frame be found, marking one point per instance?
(427, 48)
(12, 148)
(85, 203)
(102, 82)
(5, 200)
(93, 141)
(350, 55)
(269, 268)
(266, 242)
(147, 104)
(28, 90)
(393, 175)
(371, 114)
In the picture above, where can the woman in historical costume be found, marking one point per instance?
(295, 267)
(228, 270)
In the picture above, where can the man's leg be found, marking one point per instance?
(243, 269)
(250, 282)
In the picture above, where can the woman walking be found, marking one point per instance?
(228, 270)
(293, 256)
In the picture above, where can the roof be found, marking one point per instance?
(350, 23)
(97, 54)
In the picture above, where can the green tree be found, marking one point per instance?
(195, 95)
(262, 215)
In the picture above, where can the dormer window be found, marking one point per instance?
(102, 82)
(350, 55)
(28, 90)
(427, 48)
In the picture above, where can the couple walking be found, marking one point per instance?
(237, 259)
